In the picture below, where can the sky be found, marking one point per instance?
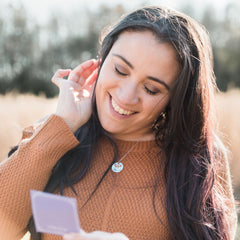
(40, 10)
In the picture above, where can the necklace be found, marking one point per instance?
(118, 166)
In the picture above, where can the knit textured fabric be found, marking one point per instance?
(122, 203)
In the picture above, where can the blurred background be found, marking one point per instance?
(38, 37)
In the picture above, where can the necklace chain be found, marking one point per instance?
(118, 166)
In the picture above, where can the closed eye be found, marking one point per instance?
(119, 72)
(150, 92)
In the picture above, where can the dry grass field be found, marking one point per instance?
(18, 111)
(228, 113)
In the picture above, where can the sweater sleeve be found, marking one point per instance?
(30, 168)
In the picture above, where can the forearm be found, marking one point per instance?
(29, 168)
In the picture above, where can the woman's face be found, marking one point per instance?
(133, 85)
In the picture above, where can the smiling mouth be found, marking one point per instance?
(120, 110)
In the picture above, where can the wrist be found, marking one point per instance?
(73, 125)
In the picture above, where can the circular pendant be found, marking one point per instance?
(117, 167)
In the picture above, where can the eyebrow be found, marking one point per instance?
(124, 59)
(149, 77)
(159, 81)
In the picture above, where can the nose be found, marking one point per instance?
(127, 93)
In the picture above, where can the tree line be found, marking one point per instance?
(31, 52)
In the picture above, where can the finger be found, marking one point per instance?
(56, 81)
(91, 79)
(86, 74)
(94, 236)
(120, 236)
(82, 72)
(74, 236)
(77, 71)
(60, 73)
(62, 84)
(69, 236)
(91, 90)
(84, 66)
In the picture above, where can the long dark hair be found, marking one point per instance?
(186, 133)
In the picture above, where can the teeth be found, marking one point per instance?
(120, 110)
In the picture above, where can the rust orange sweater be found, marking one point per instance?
(122, 203)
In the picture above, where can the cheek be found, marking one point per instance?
(155, 108)
(106, 82)
(103, 86)
(100, 83)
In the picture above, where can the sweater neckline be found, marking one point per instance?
(123, 145)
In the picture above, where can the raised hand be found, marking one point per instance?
(75, 93)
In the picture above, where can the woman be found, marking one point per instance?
(145, 161)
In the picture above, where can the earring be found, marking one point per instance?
(159, 121)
